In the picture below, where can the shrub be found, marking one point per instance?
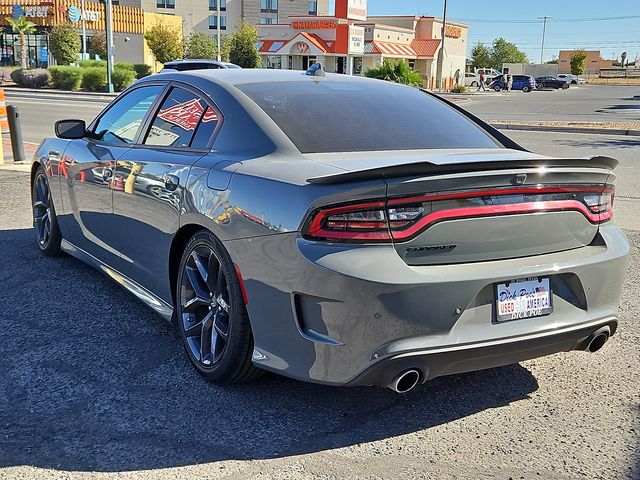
(242, 47)
(165, 42)
(200, 45)
(35, 78)
(395, 71)
(16, 76)
(92, 63)
(124, 65)
(459, 89)
(5, 75)
(122, 77)
(66, 78)
(142, 70)
(94, 79)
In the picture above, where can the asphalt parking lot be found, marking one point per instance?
(95, 385)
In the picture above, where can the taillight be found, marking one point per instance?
(400, 219)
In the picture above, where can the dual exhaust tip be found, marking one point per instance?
(408, 379)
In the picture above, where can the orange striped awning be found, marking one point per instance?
(389, 49)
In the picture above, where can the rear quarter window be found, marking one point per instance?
(351, 116)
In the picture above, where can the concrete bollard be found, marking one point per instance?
(15, 129)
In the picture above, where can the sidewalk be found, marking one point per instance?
(9, 164)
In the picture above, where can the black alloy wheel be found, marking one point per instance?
(45, 223)
(211, 314)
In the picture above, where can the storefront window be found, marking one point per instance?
(357, 65)
(274, 62)
(37, 46)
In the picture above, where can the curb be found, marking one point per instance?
(550, 128)
(16, 92)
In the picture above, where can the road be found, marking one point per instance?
(586, 103)
(95, 385)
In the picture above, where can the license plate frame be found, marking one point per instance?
(532, 299)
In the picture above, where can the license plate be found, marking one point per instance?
(523, 298)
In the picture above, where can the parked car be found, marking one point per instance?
(386, 238)
(195, 64)
(573, 79)
(489, 74)
(526, 83)
(552, 82)
(471, 79)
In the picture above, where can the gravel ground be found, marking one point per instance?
(95, 385)
(609, 125)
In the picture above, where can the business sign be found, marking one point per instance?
(452, 32)
(356, 40)
(302, 47)
(73, 14)
(313, 25)
(351, 9)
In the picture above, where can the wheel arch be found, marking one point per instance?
(179, 242)
(34, 168)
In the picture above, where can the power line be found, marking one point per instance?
(556, 20)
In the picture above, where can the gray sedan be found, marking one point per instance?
(334, 229)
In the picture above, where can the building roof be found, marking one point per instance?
(274, 46)
(426, 47)
(390, 49)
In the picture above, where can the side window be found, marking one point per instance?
(177, 119)
(205, 130)
(120, 124)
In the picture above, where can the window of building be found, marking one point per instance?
(268, 20)
(273, 61)
(213, 22)
(120, 124)
(269, 6)
(313, 8)
(213, 5)
(166, 3)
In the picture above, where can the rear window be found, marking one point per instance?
(322, 116)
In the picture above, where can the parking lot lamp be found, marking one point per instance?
(544, 31)
(441, 52)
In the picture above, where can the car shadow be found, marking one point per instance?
(604, 142)
(92, 380)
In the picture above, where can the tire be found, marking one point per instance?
(211, 314)
(45, 223)
(565, 86)
(474, 84)
(497, 88)
(526, 89)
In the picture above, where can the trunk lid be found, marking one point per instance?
(484, 205)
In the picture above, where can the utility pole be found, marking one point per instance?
(218, 29)
(544, 31)
(441, 52)
(109, 27)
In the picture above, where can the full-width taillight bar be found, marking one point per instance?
(402, 218)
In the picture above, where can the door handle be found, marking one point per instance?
(171, 182)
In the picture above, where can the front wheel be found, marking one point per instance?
(45, 222)
(211, 313)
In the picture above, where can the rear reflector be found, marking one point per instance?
(400, 219)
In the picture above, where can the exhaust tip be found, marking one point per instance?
(405, 381)
(597, 342)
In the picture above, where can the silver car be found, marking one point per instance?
(334, 229)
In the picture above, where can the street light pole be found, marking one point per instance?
(84, 30)
(218, 29)
(109, 31)
(441, 52)
(544, 31)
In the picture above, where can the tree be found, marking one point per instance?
(65, 44)
(22, 27)
(480, 56)
(98, 45)
(242, 47)
(395, 71)
(165, 42)
(577, 61)
(553, 61)
(201, 45)
(505, 52)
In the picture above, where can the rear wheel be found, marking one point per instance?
(474, 84)
(212, 317)
(45, 223)
(526, 89)
(565, 86)
(497, 88)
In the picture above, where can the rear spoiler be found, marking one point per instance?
(428, 168)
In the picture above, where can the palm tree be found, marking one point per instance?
(22, 27)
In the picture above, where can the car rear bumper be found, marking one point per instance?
(466, 358)
(345, 314)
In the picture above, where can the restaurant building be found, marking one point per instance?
(129, 25)
(350, 42)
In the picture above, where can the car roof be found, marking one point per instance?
(239, 76)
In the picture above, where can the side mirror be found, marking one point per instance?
(71, 129)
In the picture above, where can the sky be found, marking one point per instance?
(574, 24)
